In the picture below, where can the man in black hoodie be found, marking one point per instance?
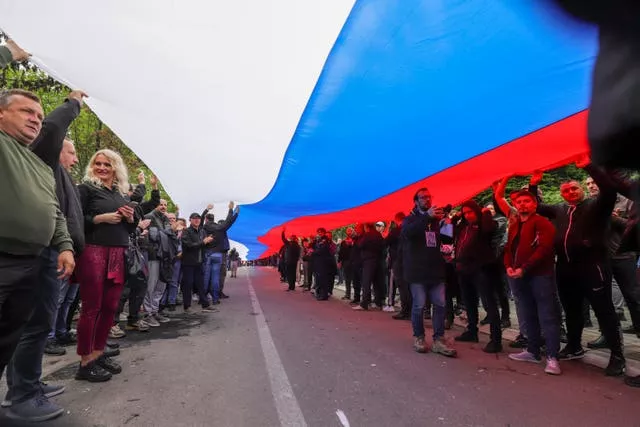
(25, 368)
(424, 270)
(291, 257)
(583, 267)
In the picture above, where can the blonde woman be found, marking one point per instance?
(109, 219)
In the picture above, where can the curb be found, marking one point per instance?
(597, 358)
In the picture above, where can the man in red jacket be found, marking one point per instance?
(529, 261)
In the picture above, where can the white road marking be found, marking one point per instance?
(289, 411)
(343, 418)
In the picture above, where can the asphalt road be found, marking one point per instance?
(273, 358)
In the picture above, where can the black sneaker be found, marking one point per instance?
(111, 352)
(172, 307)
(506, 323)
(53, 349)
(600, 342)
(493, 347)
(467, 336)
(112, 344)
(632, 381)
(66, 339)
(571, 354)
(109, 364)
(485, 321)
(401, 316)
(519, 342)
(92, 373)
(223, 295)
(616, 367)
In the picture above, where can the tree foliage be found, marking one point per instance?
(88, 132)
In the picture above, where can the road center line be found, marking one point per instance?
(289, 411)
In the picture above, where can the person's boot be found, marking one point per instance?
(493, 347)
(633, 381)
(599, 342)
(109, 364)
(418, 345)
(617, 366)
(439, 346)
(53, 349)
(467, 336)
(519, 342)
(93, 373)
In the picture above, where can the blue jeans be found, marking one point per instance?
(437, 296)
(211, 267)
(68, 293)
(25, 368)
(538, 299)
(171, 293)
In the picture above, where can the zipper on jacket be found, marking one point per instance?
(572, 209)
(600, 272)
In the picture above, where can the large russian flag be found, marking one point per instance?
(322, 112)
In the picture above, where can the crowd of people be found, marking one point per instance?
(558, 263)
(96, 246)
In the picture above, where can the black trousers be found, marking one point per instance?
(357, 281)
(347, 270)
(290, 270)
(192, 281)
(625, 272)
(591, 281)
(18, 282)
(406, 300)
(137, 285)
(372, 279)
(475, 284)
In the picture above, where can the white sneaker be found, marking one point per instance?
(124, 317)
(553, 367)
(389, 309)
(116, 332)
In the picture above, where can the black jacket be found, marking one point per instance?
(219, 232)
(473, 243)
(192, 246)
(393, 243)
(291, 251)
(344, 253)
(371, 246)
(421, 264)
(48, 146)
(97, 200)
(582, 231)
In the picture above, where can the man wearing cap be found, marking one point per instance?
(192, 244)
(529, 262)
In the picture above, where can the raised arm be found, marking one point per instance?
(499, 189)
(48, 144)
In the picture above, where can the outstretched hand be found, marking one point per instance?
(536, 178)
(78, 95)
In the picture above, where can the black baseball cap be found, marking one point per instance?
(195, 215)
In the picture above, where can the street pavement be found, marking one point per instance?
(274, 358)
